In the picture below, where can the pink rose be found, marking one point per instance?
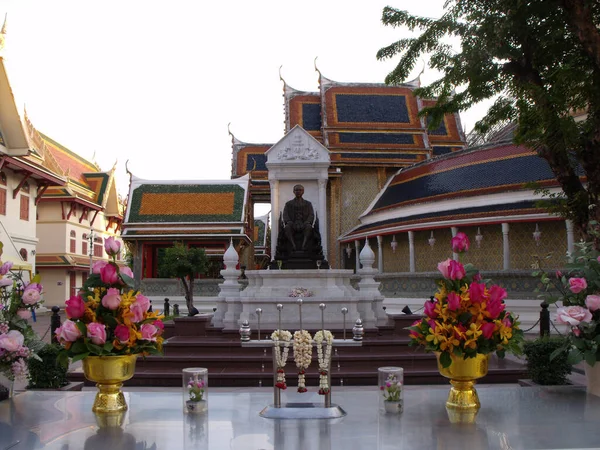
(98, 266)
(559, 274)
(444, 268)
(460, 243)
(453, 301)
(457, 270)
(75, 307)
(109, 274)
(126, 271)
(507, 321)
(497, 293)
(11, 341)
(31, 295)
(160, 325)
(487, 330)
(577, 285)
(430, 309)
(592, 302)
(6, 268)
(139, 307)
(97, 333)
(112, 299)
(112, 246)
(149, 332)
(576, 331)
(477, 278)
(24, 314)
(5, 282)
(68, 332)
(477, 292)
(573, 315)
(495, 307)
(122, 333)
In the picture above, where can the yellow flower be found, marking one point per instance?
(448, 343)
(435, 336)
(473, 334)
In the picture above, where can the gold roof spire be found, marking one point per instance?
(3, 33)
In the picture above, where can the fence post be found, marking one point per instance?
(167, 308)
(176, 310)
(54, 324)
(544, 320)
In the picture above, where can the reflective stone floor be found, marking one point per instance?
(511, 417)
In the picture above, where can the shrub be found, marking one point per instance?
(540, 368)
(47, 373)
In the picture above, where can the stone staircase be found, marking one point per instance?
(192, 342)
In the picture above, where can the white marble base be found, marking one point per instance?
(267, 288)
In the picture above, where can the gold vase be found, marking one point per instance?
(463, 402)
(109, 372)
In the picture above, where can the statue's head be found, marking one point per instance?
(298, 190)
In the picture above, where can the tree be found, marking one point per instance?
(184, 263)
(539, 60)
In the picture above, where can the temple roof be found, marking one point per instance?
(479, 185)
(200, 208)
(86, 182)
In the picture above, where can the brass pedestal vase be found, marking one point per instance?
(463, 402)
(109, 373)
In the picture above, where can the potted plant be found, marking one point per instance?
(109, 325)
(579, 292)
(541, 369)
(464, 323)
(18, 341)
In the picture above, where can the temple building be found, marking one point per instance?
(207, 214)
(23, 182)
(370, 130)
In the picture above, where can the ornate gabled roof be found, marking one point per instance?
(479, 185)
(13, 139)
(167, 209)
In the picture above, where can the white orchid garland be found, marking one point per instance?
(302, 356)
(324, 339)
(281, 356)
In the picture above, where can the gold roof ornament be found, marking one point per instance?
(3, 33)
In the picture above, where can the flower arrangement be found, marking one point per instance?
(18, 301)
(324, 341)
(579, 292)
(281, 338)
(300, 292)
(107, 317)
(467, 317)
(302, 356)
(391, 389)
(195, 389)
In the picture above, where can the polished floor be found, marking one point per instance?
(511, 417)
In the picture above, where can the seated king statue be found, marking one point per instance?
(298, 217)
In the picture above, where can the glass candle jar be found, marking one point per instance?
(391, 389)
(195, 389)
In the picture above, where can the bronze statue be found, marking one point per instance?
(298, 217)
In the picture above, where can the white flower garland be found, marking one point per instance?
(281, 356)
(324, 359)
(302, 356)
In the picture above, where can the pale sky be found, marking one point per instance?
(157, 82)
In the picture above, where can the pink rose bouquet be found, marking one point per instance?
(19, 298)
(576, 292)
(466, 316)
(107, 317)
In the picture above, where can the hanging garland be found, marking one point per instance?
(281, 356)
(302, 356)
(321, 338)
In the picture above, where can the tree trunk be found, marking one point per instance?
(188, 287)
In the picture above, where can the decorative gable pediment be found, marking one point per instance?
(298, 147)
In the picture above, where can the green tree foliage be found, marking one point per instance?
(184, 263)
(539, 60)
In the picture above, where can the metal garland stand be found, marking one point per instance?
(327, 410)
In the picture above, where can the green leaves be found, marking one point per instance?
(445, 359)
